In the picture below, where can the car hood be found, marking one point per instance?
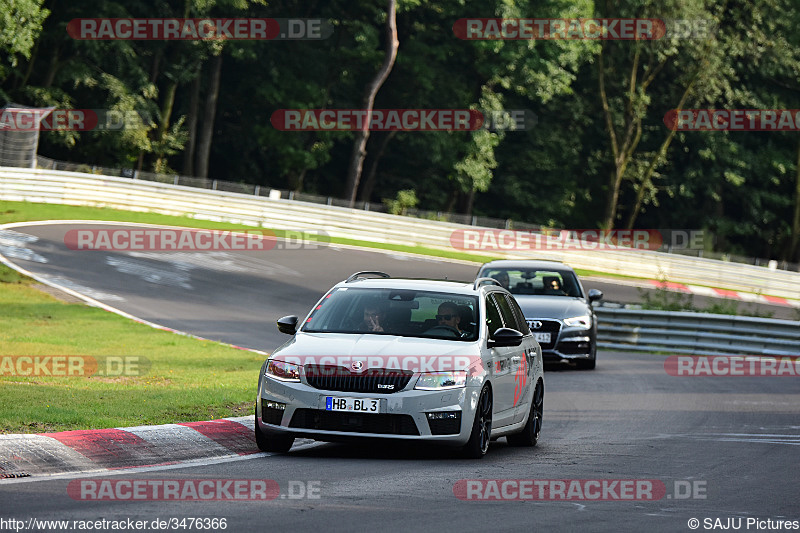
(354, 344)
(552, 306)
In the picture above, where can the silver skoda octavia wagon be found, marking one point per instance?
(439, 361)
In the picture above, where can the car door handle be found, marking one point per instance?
(516, 359)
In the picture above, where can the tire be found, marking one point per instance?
(529, 435)
(478, 443)
(273, 443)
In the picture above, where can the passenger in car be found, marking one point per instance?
(552, 286)
(502, 277)
(449, 315)
(374, 318)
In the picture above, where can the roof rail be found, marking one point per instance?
(481, 281)
(358, 275)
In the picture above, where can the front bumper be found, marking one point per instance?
(403, 414)
(570, 347)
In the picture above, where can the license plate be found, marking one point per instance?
(542, 337)
(353, 405)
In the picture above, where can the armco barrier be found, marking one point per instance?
(695, 333)
(73, 188)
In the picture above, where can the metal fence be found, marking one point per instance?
(695, 333)
(258, 190)
(71, 188)
(469, 220)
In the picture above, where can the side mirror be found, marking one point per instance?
(505, 337)
(287, 324)
(595, 295)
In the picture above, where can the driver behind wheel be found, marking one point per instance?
(448, 315)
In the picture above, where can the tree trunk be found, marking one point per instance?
(52, 69)
(651, 168)
(794, 253)
(359, 145)
(155, 65)
(191, 125)
(372, 171)
(646, 180)
(163, 127)
(469, 201)
(622, 151)
(298, 185)
(207, 132)
(28, 71)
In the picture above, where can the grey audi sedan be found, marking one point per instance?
(381, 358)
(556, 306)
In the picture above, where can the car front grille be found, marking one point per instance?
(548, 326)
(372, 381)
(384, 424)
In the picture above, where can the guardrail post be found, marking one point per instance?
(257, 191)
(214, 185)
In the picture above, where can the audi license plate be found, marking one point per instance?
(353, 405)
(542, 337)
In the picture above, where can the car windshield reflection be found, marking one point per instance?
(522, 281)
(405, 313)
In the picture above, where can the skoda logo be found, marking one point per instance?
(535, 324)
(357, 366)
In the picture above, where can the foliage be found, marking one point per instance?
(406, 199)
(592, 100)
(663, 299)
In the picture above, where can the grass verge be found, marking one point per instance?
(186, 379)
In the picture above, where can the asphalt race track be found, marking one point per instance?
(713, 447)
(230, 295)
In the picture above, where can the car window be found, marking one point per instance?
(519, 316)
(525, 281)
(493, 320)
(509, 320)
(406, 313)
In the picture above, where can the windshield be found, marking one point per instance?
(406, 313)
(526, 281)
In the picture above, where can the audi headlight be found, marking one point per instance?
(584, 321)
(283, 371)
(442, 380)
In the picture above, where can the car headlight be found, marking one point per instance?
(442, 380)
(584, 321)
(283, 371)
